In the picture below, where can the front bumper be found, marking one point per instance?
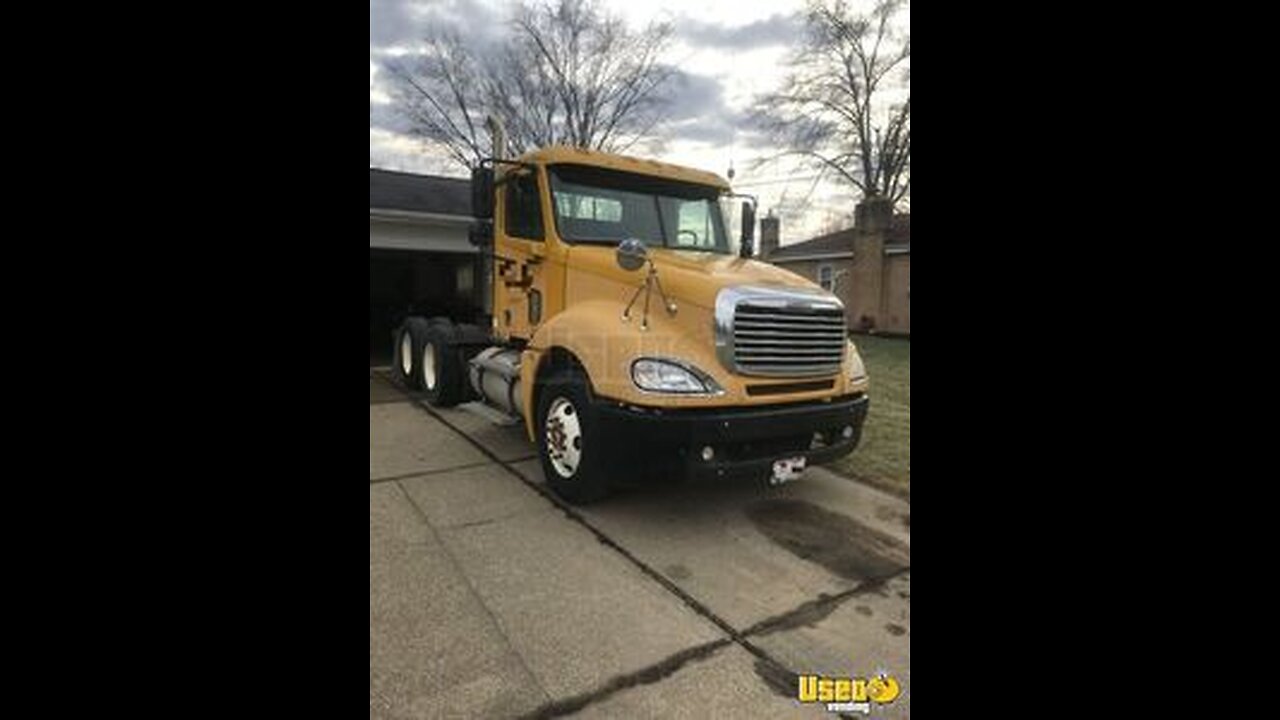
(746, 441)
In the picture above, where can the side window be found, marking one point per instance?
(693, 226)
(523, 210)
(824, 277)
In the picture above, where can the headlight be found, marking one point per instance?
(857, 371)
(672, 376)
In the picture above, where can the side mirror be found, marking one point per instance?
(631, 254)
(748, 229)
(480, 234)
(482, 192)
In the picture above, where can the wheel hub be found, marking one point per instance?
(406, 353)
(429, 366)
(564, 437)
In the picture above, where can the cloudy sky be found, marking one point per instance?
(728, 52)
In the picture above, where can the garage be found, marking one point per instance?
(420, 261)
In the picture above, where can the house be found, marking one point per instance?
(868, 266)
(419, 255)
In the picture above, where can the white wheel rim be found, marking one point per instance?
(406, 353)
(564, 437)
(429, 366)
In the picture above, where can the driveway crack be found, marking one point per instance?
(644, 676)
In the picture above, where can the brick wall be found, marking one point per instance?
(874, 286)
(897, 298)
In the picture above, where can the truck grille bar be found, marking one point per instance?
(776, 332)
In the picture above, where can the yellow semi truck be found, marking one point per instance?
(622, 328)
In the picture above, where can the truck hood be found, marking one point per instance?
(687, 276)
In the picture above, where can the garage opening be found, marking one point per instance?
(405, 282)
(420, 261)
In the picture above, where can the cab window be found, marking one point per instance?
(588, 207)
(523, 213)
(694, 228)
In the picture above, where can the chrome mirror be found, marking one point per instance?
(631, 254)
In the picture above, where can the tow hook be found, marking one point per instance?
(786, 470)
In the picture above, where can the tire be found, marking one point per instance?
(408, 351)
(573, 462)
(440, 369)
(470, 339)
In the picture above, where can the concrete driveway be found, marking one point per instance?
(489, 598)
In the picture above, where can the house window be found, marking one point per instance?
(824, 277)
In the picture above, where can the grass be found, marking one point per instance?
(883, 457)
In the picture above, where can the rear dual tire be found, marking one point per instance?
(428, 358)
(408, 351)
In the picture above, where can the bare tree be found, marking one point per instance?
(568, 73)
(830, 109)
(441, 93)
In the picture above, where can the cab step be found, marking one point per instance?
(490, 413)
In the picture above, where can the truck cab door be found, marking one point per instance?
(520, 270)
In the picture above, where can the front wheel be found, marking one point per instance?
(569, 440)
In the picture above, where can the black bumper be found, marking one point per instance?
(745, 441)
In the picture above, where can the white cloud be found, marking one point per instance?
(390, 150)
(732, 43)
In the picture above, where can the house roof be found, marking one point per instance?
(841, 241)
(836, 242)
(390, 190)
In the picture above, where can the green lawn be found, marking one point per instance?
(883, 458)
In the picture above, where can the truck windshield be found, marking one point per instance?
(594, 205)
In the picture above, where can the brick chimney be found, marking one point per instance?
(874, 218)
(768, 235)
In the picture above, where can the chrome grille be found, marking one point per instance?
(775, 332)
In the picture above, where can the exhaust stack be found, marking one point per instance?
(499, 134)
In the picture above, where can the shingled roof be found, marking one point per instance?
(841, 241)
(836, 242)
(390, 190)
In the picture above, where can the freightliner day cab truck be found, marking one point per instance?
(623, 330)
